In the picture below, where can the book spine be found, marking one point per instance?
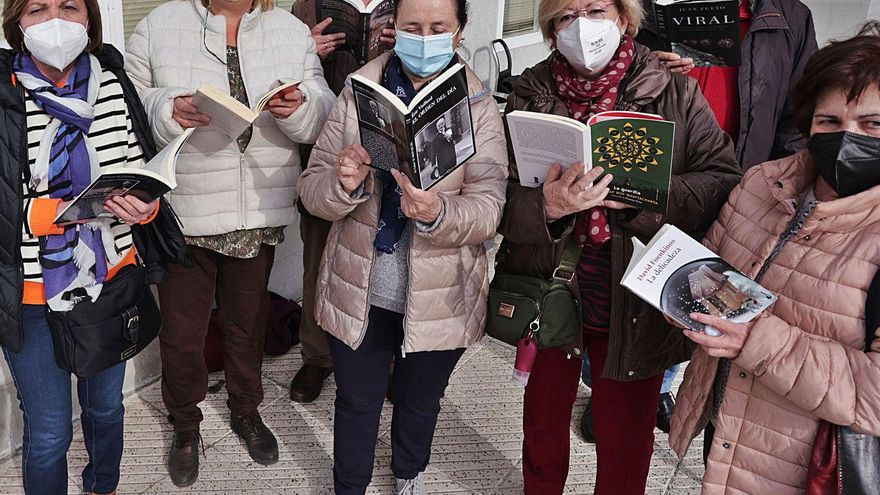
(660, 16)
(414, 175)
(364, 49)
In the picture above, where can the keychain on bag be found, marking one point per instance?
(526, 351)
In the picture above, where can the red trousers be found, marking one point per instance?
(624, 415)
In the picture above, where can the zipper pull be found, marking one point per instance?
(403, 351)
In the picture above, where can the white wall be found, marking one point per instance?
(840, 19)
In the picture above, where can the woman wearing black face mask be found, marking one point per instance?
(807, 226)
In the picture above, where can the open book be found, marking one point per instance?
(427, 140)
(361, 24)
(704, 30)
(636, 148)
(229, 114)
(154, 179)
(678, 275)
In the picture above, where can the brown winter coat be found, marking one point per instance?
(704, 171)
(804, 359)
(448, 272)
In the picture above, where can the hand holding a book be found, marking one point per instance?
(352, 167)
(728, 344)
(187, 115)
(326, 43)
(675, 62)
(565, 193)
(286, 103)
(417, 204)
(130, 209)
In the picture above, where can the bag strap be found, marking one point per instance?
(872, 311)
(564, 272)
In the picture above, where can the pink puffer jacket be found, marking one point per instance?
(804, 359)
(448, 268)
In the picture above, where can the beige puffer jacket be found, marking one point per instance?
(804, 359)
(448, 272)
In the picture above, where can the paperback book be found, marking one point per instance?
(428, 139)
(679, 276)
(361, 24)
(154, 179)
(635, 148)
(230, 115)
(705, 30)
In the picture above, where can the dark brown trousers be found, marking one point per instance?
(315, 350)
(187, 298)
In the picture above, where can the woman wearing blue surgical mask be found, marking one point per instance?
(404, 273)
(596, 66)
(69, 112)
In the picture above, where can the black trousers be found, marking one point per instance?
(361, 377)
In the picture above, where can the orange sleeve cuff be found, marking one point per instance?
(152, 217)
(41, 217)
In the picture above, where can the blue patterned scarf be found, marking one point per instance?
(74, 263)
(392, 221)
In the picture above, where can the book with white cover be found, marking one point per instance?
(679, 276)
(155, 178)
(229, 114)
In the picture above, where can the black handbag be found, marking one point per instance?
(845, 462)
(548, 308)
(94, 336)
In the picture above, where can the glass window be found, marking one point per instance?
(520, 17)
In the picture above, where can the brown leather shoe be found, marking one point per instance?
(307, 383)
(183, 460)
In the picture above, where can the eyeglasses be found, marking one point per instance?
(595, 13)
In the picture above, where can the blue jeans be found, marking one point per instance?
(44, 398)
(668, 376)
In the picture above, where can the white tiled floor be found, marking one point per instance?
(477, 447)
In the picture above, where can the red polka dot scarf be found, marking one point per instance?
(585, 98)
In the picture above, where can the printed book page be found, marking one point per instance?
(539, 141)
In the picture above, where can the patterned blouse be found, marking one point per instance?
(240, 243)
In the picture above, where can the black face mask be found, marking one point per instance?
(849, 162)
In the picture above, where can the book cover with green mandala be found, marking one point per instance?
(638, 153)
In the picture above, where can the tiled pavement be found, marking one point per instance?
(476, 447)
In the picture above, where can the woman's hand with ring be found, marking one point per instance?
(352, 167)
(130, 209)
(326, 44)
(565, 193)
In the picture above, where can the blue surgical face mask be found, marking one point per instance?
(424, 56)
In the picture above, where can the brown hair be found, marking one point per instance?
(13, 11)
(548, 10)
(851, 65)
(265, 5)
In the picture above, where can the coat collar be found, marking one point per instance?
(217, 23)
(788, 179)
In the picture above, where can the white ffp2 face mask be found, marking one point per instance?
(56, 42)
(589, 45)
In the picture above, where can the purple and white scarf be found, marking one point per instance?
(74, 264)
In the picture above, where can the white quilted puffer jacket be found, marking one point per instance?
(219, 188)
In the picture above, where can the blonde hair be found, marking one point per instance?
(265, 5)
(549, 10)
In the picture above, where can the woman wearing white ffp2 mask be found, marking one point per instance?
(598, 67)
(68, 92)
